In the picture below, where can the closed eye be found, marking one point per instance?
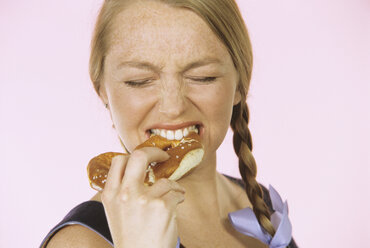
(140, 83)
(137, 83)
(204, 79)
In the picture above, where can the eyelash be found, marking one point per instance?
(143, 82)
(205, 79)
(136, 83)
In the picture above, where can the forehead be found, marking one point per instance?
(157, 32)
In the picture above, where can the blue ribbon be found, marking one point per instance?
(245, 222)
(178, 242)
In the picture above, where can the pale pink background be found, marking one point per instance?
(309, 104)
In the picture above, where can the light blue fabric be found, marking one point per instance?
(245, 222)
(178, 242)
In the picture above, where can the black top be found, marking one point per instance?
(91, 214)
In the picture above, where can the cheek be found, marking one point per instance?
(222, 113)
(129, 108)
(217, 108)
(217, 102)
(128, 112)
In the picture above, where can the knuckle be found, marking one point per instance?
(173, 184)
(177, 196)
(181, 198)
(139, 155)
(163, 181)
(143, 200)
(124, 194)
(176, 186)
(158, 204)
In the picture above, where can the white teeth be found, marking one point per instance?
(170, 135)
(175, 134)
(178, 134)
(186, 132)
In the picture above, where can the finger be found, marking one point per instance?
(162, 187)
(116, 172)
(138, 163)
(173, 198)
(173, 230)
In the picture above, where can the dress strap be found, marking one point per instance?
(89, 214)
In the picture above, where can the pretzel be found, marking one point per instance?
(185, 154)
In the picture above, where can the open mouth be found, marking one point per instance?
(177, 134)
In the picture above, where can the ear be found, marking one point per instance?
(237, 97)
(104, 98)
(103, 94)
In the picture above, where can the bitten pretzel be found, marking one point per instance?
(185, 154)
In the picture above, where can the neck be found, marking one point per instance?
(205, 172)
(203, 192)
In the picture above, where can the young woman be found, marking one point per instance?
(169, 65)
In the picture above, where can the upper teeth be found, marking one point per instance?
(174, 134)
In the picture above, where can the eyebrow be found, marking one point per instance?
(149, 66)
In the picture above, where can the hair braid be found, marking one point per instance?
(242, 141)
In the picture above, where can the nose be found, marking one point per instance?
(172, 102)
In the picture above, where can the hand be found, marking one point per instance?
(140, 215)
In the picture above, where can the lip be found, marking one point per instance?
(176, 126)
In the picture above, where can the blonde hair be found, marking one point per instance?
(225, 20)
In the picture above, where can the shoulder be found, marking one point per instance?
(241, 184)
(84, 226)
(74, 236)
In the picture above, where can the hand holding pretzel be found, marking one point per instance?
(140, 194)
(185, 154)
(140, 215)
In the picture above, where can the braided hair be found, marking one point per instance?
(242, 142)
